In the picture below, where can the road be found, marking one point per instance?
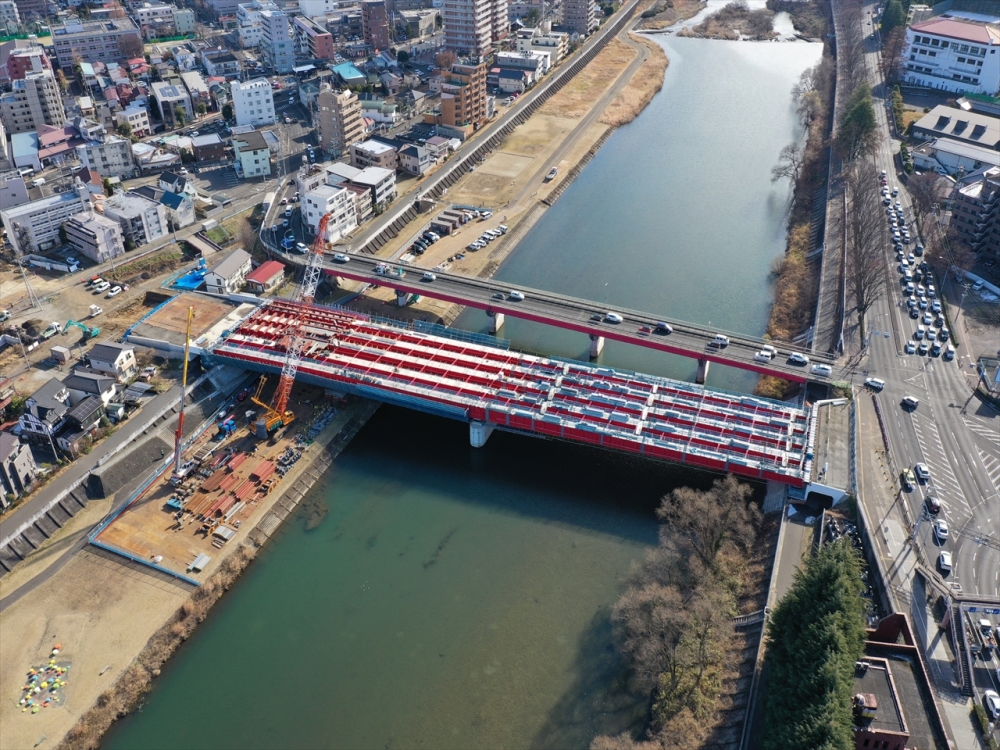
(578, 315)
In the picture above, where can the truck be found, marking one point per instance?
(52, 330)
(95, 310)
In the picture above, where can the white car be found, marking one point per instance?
(762, 356)
(991, 701)
(517, 296)
(824, 370)
(720, 341)
(102, 287)
(797, 358)
(944, 561)
(923, 471)
(910, 348)
(428, 276)
(341, 258)
(613, 317)
(876, 384)
(911, 402)
(115, 291)
(941, 530)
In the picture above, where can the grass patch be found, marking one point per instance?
(645, 84)
(218, 235)
(168, 259)
(577, 97)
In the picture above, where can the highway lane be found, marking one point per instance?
(581, 315)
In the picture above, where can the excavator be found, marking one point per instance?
(88, 332)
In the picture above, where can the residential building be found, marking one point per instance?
(180, 209)
(109, 156)
(312, 40)
(155, 21)
(952, 54)
(32, 10)
(93, 41)
(45, 411)
(375, 23)
(114, 359)
(169, 97)
(141, 219)
(228, 275)
(535, 62)
(253, 102)
(208, 148)
(183, 20)
(381, 182)
(556, 43)
(252, 157)
(13, 191)
(24, 60)
(10, 19)
(958, 125)
(415, 160)
(339, 122)
(580, 16)
(438, 148)
(318, 8)
(974, 215)
(197, 89)
(249, 23)
(471, 26)
(95, 236)
(419, 23)
(32, 102)
(6, 155)
(81, 421)
(84, 383)
(34, 226)
(220, 62)
(373, 154)
(137, 118)
(364, 209)
(379, 111)
(335, 200)
(463, 99)
(17, 468)
(276, 43)
(24, 150)
(945, 156)
(266, 277)
(224, 7)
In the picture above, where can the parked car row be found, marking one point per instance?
(487, 237)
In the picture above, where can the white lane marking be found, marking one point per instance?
(991, 434)
(992, 468)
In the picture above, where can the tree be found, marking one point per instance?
(201, 108)
(62, 233)
(108, 187)
(227, 111)
(815, 635)
(892, 53)
(924, 191)
(154, 107)
(865, 237)
(532, 17)
(438, 21)
(444, 60)
(894, 16)
(857, 133)
(246, 235)
(403, 57)
(179, 116)
(61, 80)
(124, 130)
(130, 46)
(789, 164)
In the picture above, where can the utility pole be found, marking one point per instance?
(179, 435)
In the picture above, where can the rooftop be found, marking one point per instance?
(968, 150)
(375, 147)
(877, 680)
(373, 176)
(43, 204)
(24, 144)
(108, 351)
(206, 140)
(250, 142)
(969, 126)
(76, 27)
(953, 28)
(128, 204)
(266, 271)
(228, 266)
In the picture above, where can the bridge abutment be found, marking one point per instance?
(596, 345)
(403, 298)
(702, 371)
(496, 320)
(479, 433)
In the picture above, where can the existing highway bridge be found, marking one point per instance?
(584, 316)
(491, 388)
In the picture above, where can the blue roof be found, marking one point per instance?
(348, 72)
(172, 200)
(24, 144)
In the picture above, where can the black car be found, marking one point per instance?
(933, 505)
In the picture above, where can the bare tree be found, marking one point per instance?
(444, 60)
(892, 53)
(246, 235)
(866, 239)
(923, 189)
(789, 164)
(130, 45)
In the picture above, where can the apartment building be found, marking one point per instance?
(248, 20)
(252, 157)
(96, 41)
(471, 26)
(142, 220)
(318, 8)
(10, 19)
(335, 200)
(953, 54)
(109, 156)
(375, 24)
(95, 236)
(276, 43)
(28, 10)
(33, 101)
(339, 123)
(197, 89)
(580, 16)
(137, 119)
(24, 60)
(220, 62)
(312, 41)
(183, 20)
(155, 21)
(169, 97)
(373, 154)
(463, 98)
(34, 226)
(556, 43)
(381, 182)
(974, 216)
(253, 102)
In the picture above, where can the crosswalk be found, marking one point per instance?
(991, 434)
(992, 465)
(943, 478)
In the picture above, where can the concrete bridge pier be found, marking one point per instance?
(596, 345)
(496, 320)
(702, 371)
(479, 433)
(403, 298)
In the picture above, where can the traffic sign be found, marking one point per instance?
(985, 610)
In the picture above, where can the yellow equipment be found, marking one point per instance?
(271, 419)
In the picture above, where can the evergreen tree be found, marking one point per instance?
(894, 15)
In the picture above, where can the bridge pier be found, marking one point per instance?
(596, 345)
(479, 433)
(403, 298)
(702, 371)
(496, 320)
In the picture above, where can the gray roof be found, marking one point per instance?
(108, 351)
(250, 142)
(957, 123)
(89, 382)
(206, 140)
(228, 266)
(9, 444)
(86, 411)
(46, 408)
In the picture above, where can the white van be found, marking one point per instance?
(38, 183)
(824, 370)
(762, 356)
(919, 334)
(720, 341)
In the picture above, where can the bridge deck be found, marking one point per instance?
(644, 414)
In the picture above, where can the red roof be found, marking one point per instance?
(266, 272)
(968, 31)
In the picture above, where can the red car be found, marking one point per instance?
(645, 329)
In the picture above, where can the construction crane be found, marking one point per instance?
(271, 419)
(293, 339)
(179, 434)
(88, 332)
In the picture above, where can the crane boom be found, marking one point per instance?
(293, 337)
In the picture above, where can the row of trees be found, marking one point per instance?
(816, 634)
(674, 621)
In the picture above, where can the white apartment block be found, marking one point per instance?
(197, 88)
(276, 41)
(137, 119)
(953, 54)
(252, 155)
(471, 26)
(248, 18)
(32, 102)
(316, 8)
(169, 97)
(155, 21)
(109, 156)
(9, 17)
(336, 201)
(381, 182)
(95, 236)
(183, 20)
(556, 43)
(96, 41)
(34, 226)
(142, 220)
(253, 102)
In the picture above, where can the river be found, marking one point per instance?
(456, 597)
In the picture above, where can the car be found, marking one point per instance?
(886, 201)
(931, 290)
(931, 334)
(645, 330)
(923, 348)
(428, 276)
(944, 334)
(927, 319)
(341, 258)
(665, 328)
(95, 280)
(798, 358)
(991, 702)
(302, 247)
(288, 211)
(499, 295)
(949, 353)
(910, 289)
(936, 349)
(936, 307)
(502, 228)
(910, 347)
(922, 303)
(285, 222)
(941, 530)
(114, 291)
(473, 246)
(613, 317)
(596, 318)
(919, 333)
(485, 214)
(102, 287)
(823, 370)
(918, 250)
(517, 296)
(911, 301)
(907, 480)
(284, 201)
(876, 384)
(944, 561)
(182, 170)
(910, 402)
(898, 206)
(914, 313)
(762, 356)
(923, 471)
(719, 341)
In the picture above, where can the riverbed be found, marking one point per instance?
(460, 597)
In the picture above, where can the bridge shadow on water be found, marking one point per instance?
(586, 487)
